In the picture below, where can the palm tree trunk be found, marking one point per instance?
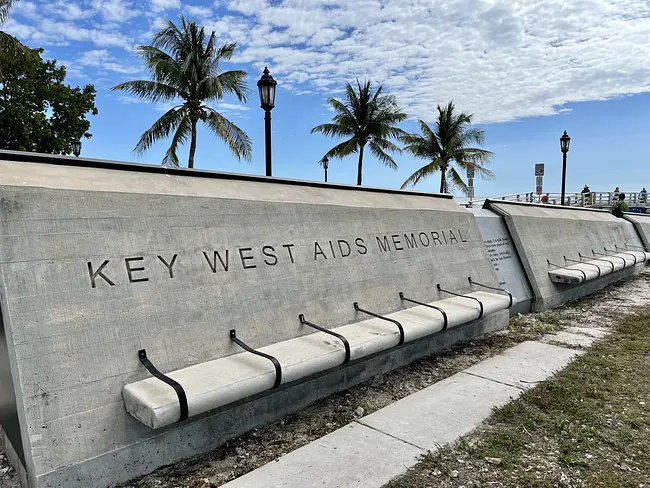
(443, 181)
(360, 165)
(190, 162)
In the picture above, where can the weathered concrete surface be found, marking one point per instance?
(524, 365)
(543, 233)
(338, 460)
(504, 258)
(96, 264)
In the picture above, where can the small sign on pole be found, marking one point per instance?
(470, 192)
(470, 172)
(539, 169)
(538, 189)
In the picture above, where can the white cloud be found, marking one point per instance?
(116, 10)
(198, 12)
(232, 107)
(498, 59)
(101, 58)
(162, 5)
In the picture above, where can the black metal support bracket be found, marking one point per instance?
(567, 260)
(428, 305)
(399, 326)
(626, 247)
(440, 289)
(626, 253)
(472, 282)
(609, 256)
(598, 259)
(640, 248)
(276, 363)
(345, 342)
(584, 275)
(180, 392)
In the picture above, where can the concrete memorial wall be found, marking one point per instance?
(642, 224)
(592, 241)
(100, 261)
(504, 258)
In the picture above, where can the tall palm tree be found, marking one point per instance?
(8, 42)
(446, 146)
(366, 118)
(183, 66)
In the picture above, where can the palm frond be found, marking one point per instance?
(161, 128)
(379, 152)
(5, 7)
(238, 141)
(152, 91)
(181, 136)
(333, 130)
(344, 149)
(424, 172)
(455, 181)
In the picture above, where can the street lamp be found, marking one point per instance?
(76, 147)
(266, 86)
(326, 163)
(565, 141)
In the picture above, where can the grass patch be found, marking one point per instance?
(587, 426)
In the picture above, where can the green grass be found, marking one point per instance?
(588, 426)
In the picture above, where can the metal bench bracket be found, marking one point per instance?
(440, 289)
(444, 314)
(399, 326)
(345, 342)
(472, 282)
(180, 392)
(276, 363)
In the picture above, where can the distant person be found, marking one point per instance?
(586, 195)
(644, 196)
(620, 206)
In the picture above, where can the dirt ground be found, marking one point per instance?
(266, 444)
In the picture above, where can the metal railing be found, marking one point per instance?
(571, 199)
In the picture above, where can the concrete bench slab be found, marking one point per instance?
(216, 383)
(590, 270)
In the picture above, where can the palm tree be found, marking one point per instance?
(445, 146)
(8, 42)
(183, 66)
(366, 118)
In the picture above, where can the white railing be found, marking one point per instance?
(571, 199)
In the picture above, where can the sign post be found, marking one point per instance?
(470, 184)
(539, 178)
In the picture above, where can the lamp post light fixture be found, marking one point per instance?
(326, 163)
(565, 141)
(76, 147)
(266, 86)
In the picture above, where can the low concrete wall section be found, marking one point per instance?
(545, 235)
(97, 263)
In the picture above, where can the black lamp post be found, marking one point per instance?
(326, 163)
(266, 86)
(76, 147)
(565, 141)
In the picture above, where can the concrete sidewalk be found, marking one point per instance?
(371, 451)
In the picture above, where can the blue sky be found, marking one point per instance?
(527, 70)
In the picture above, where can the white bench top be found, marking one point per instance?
(222, 381)
(589, 270)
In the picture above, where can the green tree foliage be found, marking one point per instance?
(366, 118)
(38, 112)
(184, 66)
(446, 146)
